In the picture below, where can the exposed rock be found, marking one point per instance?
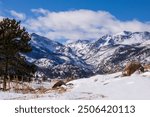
(146, 67)
(131, 67)
(58, 84)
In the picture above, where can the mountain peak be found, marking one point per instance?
(125, 33)
(82, 41)
(37, 35)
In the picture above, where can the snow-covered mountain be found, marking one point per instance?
(125, 37)
(80, 47)
(84, 58)
(54, 59)
(111, 52)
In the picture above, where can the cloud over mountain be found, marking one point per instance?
(80, 24)
(73, 25)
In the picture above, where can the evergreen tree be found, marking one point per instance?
(14, 40)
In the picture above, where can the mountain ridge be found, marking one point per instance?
(85, 58)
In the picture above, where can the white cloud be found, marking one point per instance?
(40, 11)
(17, 15)
(80, 24)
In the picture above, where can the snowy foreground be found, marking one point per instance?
(103, 87)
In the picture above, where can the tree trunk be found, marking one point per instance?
(9, 83)
(17, 85)
(6, 75)
(4, 82)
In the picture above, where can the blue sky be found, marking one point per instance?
(122, 9)
(126, 14)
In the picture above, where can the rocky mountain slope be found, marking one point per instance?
(110, 53)
(55, 60)
(85, 58)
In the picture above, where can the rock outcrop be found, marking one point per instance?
(131, 67)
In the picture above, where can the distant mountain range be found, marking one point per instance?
(85, 58)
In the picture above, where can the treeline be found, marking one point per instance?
(14, 41)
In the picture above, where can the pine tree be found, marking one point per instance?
(14, 40)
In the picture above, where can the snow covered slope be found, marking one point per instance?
(104, 87)
(112, 87)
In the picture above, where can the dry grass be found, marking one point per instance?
(26, 88)
(59, 90)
